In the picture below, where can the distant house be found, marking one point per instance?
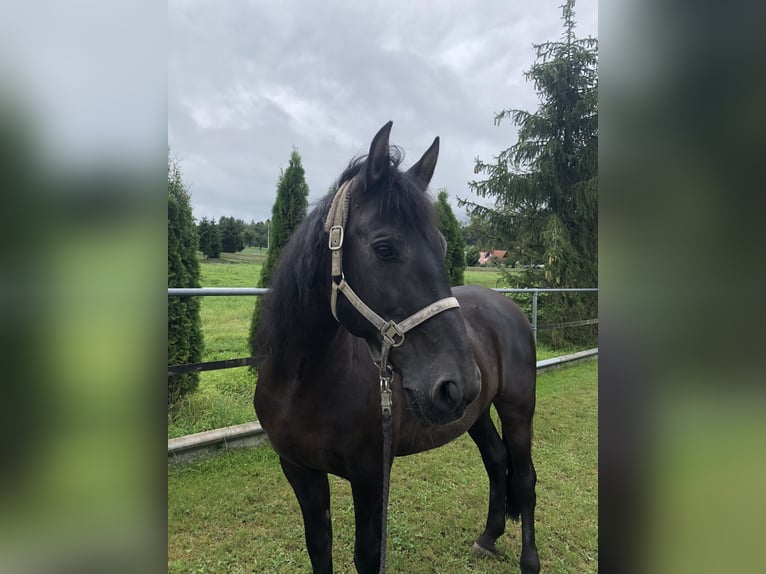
(487, 256)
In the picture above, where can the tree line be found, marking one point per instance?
(231, 235)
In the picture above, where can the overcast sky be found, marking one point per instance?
(248, 81)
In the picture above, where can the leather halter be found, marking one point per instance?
(391, 332)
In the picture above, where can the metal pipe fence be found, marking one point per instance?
(260, 291)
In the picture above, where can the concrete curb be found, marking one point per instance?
(204, 444)
(555, 362)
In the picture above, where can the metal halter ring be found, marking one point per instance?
(390, 331)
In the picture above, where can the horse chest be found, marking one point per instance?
(414, 436)
(315, 426)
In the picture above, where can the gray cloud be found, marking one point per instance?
(248, 81)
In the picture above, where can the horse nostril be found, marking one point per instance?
(447, 395)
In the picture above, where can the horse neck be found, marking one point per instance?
(319, 330)
(313, 331)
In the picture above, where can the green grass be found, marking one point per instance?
(236, 512)
(248, 255)
(480, 276)
(224, 397)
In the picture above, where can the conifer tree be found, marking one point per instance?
(288, 211)
(232, 234)
(450, 228)
(184, 329)
(210, 238)
(545, 187)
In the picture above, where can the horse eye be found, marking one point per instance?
(384, 250)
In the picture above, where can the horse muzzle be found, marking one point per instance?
(446, 399)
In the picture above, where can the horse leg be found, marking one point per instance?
(368, 507)
(495, 458)
(517, 435)
(313, 492)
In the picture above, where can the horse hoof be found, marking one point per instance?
(482, 552)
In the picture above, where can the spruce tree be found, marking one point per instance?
(261, 233)
(249, 234)
(184, 329)
(545, 187)
(450, 228)
(209, 238)
(289, 209)
(232, 234)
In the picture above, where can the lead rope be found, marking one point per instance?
(385, 404)
(385, 384)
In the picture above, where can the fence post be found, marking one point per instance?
(534, 314)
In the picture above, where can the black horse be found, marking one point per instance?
(318, 393)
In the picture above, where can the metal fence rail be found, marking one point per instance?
(215, 291)
(230, 291)
(259, 291)
(210, 366)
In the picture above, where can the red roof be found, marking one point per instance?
(486, 256)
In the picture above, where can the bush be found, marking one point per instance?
(184, 329)
(289, 209)
(450, 228)
(210, 238)
(472, 255)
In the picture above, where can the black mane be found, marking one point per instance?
(296, 315)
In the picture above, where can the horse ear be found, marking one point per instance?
(423, 170)
(378, 160)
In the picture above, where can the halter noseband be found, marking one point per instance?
(392, 333)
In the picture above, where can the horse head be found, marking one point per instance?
(393, 261)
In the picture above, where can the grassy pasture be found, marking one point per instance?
(236, 513)
(225, 397)
(485, 276)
